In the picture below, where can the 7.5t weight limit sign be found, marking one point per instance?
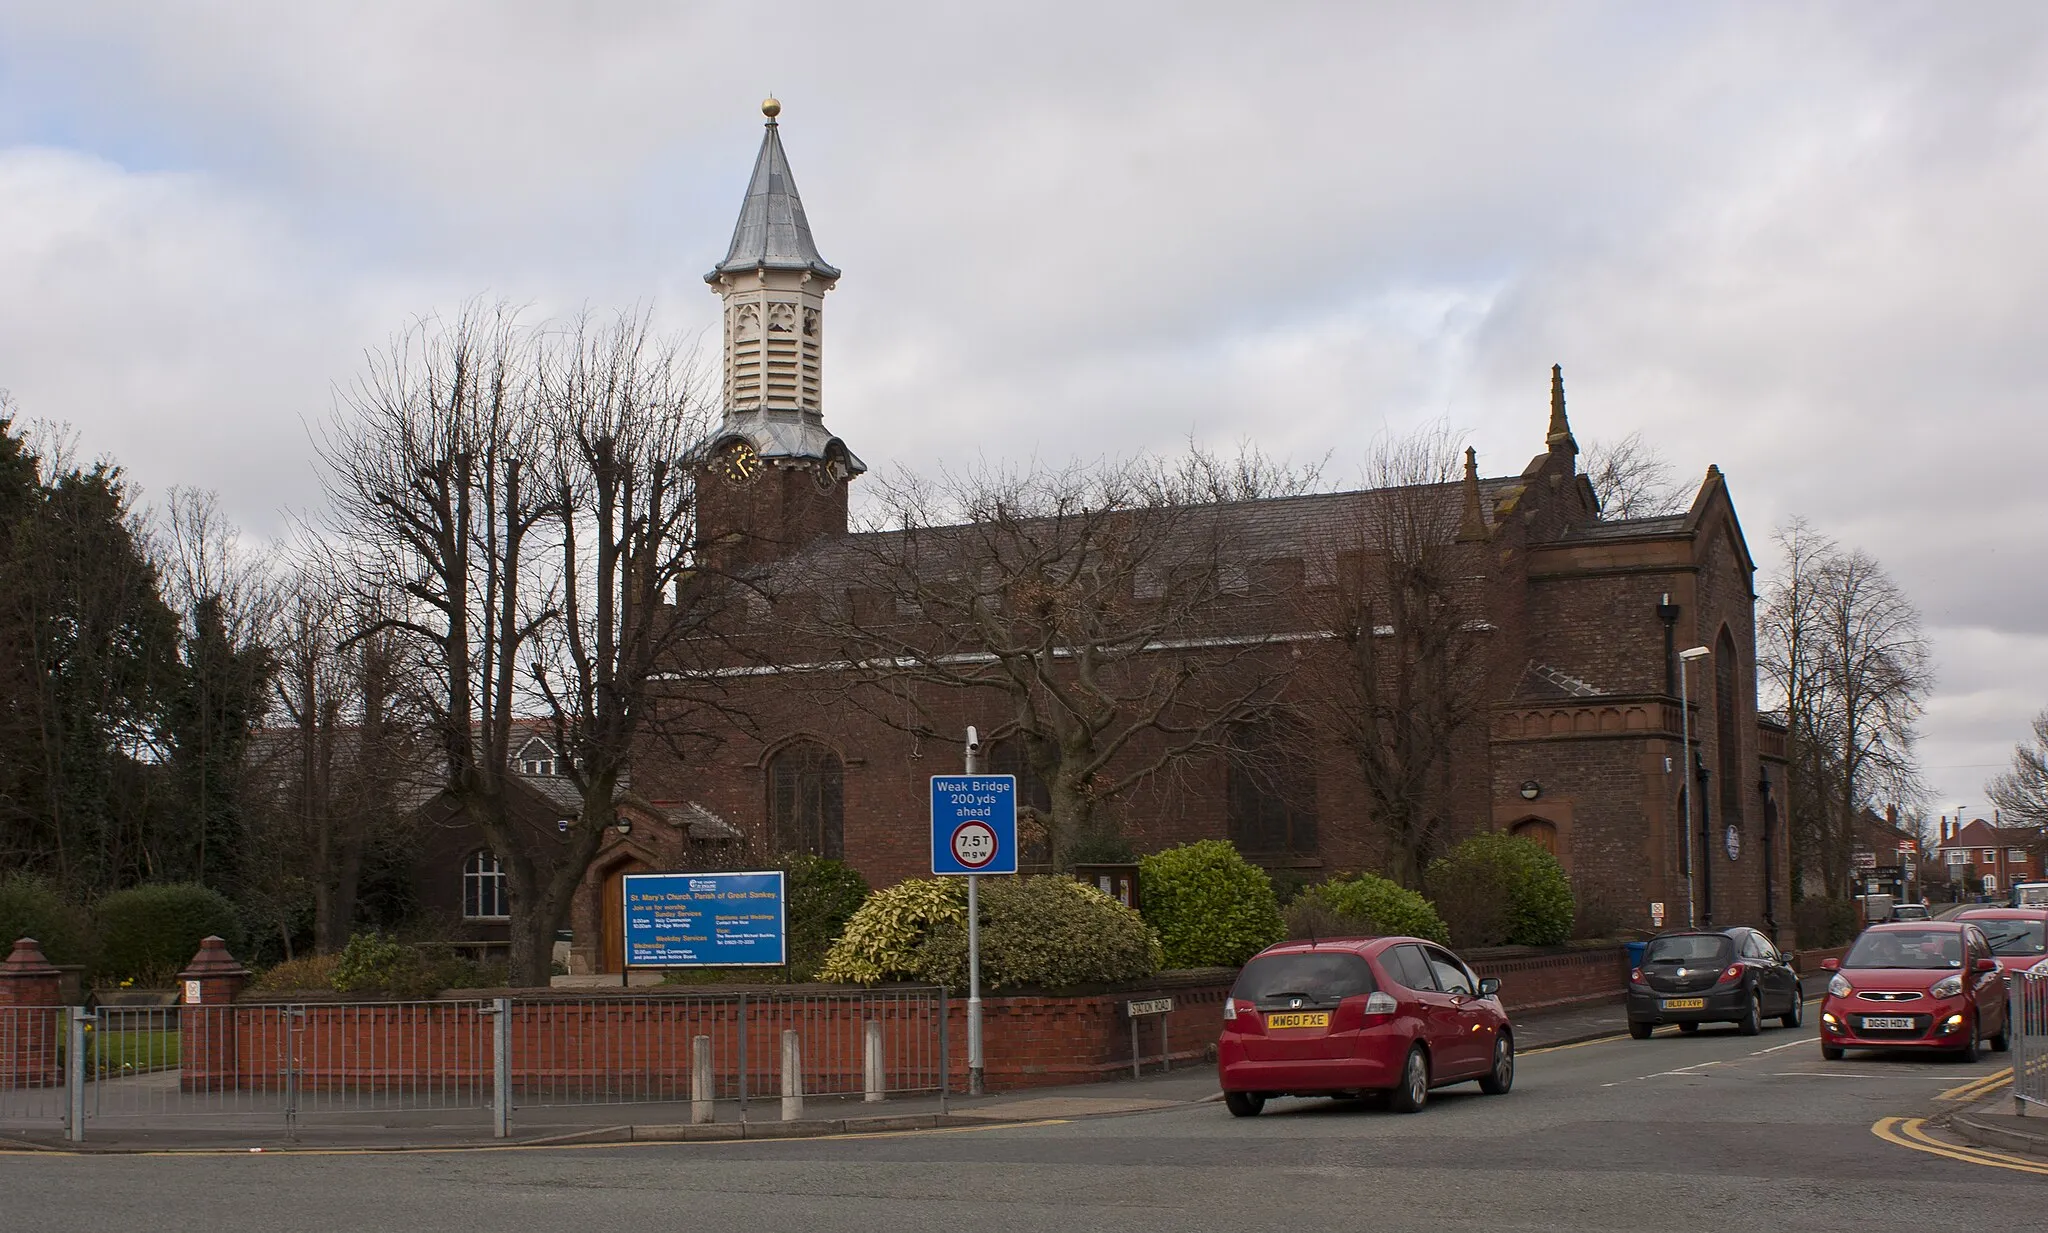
(974, 824)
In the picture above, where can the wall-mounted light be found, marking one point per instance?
(622, 823)
(1531, 789)
(563, 824)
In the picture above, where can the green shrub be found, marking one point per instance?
(1046, 933)
(377, 965)
(822, 896)
(149, 933)
(1472, 898)
(1531, 887)
(881, 939)
(31, 908)
(304, 972)
(1212, 908)
(1823, 923)
(1376, 907)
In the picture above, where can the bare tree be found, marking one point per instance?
(1098, 613)
(1633, 480)
(1842, 646)
(527, 495)
(2022, 791)
(1409, 644)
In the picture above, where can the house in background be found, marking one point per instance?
(1984, 858)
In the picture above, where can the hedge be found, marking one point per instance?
(1044, 933)
(31, 908)
(1375, 907)
(1533, 895)
(1212, 907)
(149, 933)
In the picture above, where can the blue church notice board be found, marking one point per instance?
(705, 920)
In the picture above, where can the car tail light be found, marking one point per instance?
(1229, 1009)
(1734, 972)
(1636, 977)
(1381, 1003)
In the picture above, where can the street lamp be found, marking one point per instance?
(1685, 658)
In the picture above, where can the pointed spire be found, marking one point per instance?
(772, 233)
(1560, 435)
(1472, 528)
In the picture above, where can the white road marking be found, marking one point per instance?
(1819, 1074)
(1794, 1045)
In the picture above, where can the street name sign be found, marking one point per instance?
(705, 920)
(974, 824)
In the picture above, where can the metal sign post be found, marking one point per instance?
(974, 831)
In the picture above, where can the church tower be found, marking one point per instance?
(775, 478)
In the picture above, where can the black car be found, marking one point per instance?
(1713, 976)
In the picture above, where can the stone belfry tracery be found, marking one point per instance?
(784, 474)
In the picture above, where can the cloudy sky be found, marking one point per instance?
(1804, 242)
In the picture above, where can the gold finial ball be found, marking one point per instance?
(771, 108)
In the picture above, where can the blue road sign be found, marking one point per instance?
(974, 824)
(705, 920)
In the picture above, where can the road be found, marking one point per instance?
(1713, 1131)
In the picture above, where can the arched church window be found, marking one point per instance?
(1270, 789)
(1728, 753)
(483, 887)
(806, 793)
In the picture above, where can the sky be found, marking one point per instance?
(1800, 241)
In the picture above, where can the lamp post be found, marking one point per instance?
(1685, 659)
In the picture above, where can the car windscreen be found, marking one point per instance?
(2015, 937)
(1704, 949)
(1327, 976)
(1906, 948)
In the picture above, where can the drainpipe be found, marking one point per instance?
(1770, 811)
(1706, 845)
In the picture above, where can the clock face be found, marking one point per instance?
(739, 463)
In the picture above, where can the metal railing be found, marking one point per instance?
(2028, 1000)
(254, 1064)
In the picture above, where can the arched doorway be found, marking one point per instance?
(613, 925)
(1538, 829)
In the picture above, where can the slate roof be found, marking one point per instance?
(772, 232)
(1625, 528)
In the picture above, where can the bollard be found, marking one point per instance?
(792, 1077)
(701, 1091)
(872, 1056)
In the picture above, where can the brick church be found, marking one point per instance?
(1576, 742)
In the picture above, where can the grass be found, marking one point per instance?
(135, 1052)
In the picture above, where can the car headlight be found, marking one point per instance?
(1839, 986)
(1947, 986)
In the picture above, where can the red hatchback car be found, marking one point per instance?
(1348, 1016)
(1915, 985)
(2018, 936)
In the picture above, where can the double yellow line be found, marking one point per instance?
(1978, 1089)
(1911, 1132)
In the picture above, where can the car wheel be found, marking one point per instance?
(1641, 1031)
(1797, 1015)
(1688, 1028)
(1414, 1090)
(1968, 1053)
(1752, 1021)
(1244, 1104)
(1497, 1081)
(2003, 1040)
(1830, 1053)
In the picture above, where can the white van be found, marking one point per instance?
(2030, 895)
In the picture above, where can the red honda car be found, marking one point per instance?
(1349, 1016)
(2018, 936)
(1915, 985)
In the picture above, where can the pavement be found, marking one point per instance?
(354, 1124)
(1677, 1133)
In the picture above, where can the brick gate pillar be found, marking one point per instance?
(209, 1053)
(31, 1022)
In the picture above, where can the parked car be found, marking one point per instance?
(1697, 976)
(2018, 936)
(1924, 985)
(1353, 1016)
